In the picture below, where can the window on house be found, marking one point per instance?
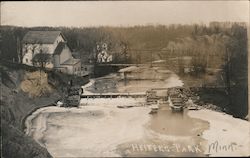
(27, 60)
(85, 69)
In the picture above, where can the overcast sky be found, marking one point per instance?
(122, 13)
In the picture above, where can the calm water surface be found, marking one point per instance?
(184, 135)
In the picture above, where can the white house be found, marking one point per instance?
(53, 44)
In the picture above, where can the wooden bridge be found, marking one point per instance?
(113, 95)
(122, 65)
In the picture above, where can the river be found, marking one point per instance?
(102, 129)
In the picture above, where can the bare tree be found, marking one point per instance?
(42, 58)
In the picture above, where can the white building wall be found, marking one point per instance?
(50, 48)
(77, 68)
(65, 55)
(58, 40)
(69, 69)
(29, 50)
(35, 48)
(27, 59)
(73, 69)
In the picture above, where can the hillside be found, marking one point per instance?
(22, 93)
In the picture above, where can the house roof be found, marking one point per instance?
(129, 69)
(41, 37)
(71, 61)
(76, 55)
(59, 48)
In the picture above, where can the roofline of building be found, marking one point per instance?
(71, 64)
(63, 36)
(66, 43)
(60, 33)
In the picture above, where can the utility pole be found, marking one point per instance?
(167, 52)
(228, 75)
(151, 59)
(136, 52)
(19, 53)
(248, 69)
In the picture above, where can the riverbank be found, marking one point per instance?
(98, 129)
(226, 135)
(102, 130)
(25, 90)
(16, 105)
(30, 113)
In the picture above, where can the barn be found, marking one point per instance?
(53, 44)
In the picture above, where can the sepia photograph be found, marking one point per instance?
(124, 78)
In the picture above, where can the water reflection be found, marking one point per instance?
(176, 123)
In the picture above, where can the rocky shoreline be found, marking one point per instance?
(192, 93)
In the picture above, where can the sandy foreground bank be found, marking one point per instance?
(95, 130)
(227, 136)
(98, 130)
(88, 130)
